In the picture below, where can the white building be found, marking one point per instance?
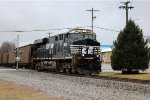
(106, 55)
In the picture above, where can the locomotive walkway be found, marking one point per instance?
(75, 88)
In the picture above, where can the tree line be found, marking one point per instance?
(6, 46)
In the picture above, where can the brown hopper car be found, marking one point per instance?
(25, 53)
(5, 58)
(0, 58)
(11, 57)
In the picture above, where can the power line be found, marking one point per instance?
(106, 29)
(126, 7)
(18, 31)
(22, 31)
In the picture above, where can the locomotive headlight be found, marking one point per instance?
(97, 55)
(83, 55)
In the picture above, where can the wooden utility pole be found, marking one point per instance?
(126, 7)
(93, 17)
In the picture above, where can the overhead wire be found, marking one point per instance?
(39, 30)
(106, 29)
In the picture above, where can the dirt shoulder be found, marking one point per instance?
(10, 91)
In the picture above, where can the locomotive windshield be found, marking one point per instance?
(90, 36)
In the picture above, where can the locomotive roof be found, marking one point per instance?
(72, 31)
(79, 30)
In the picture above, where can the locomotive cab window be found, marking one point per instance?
(56, 38)
(67, 35)
(94, 37)
(61, 37)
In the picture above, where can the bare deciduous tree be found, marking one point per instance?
(7, 45)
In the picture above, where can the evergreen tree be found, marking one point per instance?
(130, 52)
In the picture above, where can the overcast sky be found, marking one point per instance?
(50, 14)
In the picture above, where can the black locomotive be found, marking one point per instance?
(76, 51)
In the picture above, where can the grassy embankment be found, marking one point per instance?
(141, 76)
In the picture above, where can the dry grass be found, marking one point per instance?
(9, 91)
(141, 76)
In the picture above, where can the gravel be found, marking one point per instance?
(77, 88)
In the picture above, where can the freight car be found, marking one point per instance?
(4, 58)
(76, 51)
(11, 58)
(26, 55)
(8, 58)
(0, 59)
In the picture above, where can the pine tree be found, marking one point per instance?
(130, 53)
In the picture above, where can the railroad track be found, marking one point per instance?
(100, 77)
(104, 77)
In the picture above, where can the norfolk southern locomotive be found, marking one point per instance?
(76, 51)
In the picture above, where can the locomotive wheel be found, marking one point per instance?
(58, 69)
(91, 69)
(64, 70)
(39, 68)
(75, 72)
(70, 70)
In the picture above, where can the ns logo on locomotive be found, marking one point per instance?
(76, 51)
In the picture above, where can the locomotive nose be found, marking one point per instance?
(87, 54)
